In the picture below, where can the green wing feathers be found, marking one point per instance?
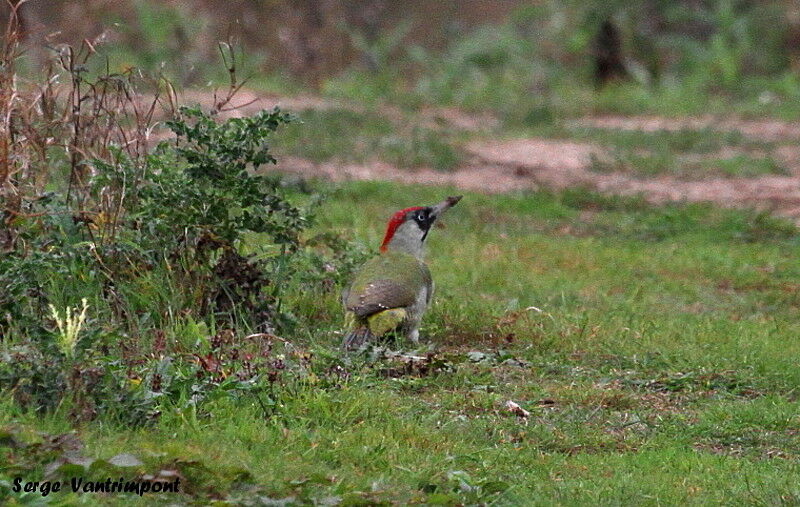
(391, 280)
(376, 302)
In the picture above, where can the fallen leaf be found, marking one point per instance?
(515, 409)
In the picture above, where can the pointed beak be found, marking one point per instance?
(438, 209)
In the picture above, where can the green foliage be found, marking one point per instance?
(30, 279)
(203, 233)
(206, 185)
(538, 64)
(491, 68)
(651, 347)
(378, 51)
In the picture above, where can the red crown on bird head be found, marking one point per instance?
(394, 223)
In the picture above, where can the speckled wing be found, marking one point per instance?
(391, 280)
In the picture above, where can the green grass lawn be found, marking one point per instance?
(349, 136)
(654, 348)
(685, 153)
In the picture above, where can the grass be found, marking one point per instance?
(689, 96)
(702, 141)
(745, 166)
(652, 164)
(684, 153)
(657, 366)
(358, 137)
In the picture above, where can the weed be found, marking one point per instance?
(69, 327)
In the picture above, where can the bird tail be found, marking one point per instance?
(376, 325)
(357, 338)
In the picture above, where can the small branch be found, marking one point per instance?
(234, 85)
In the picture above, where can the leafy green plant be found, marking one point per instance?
(69, 326)
(210, 174)
(103, 272)
(202, 197)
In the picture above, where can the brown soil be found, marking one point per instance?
(507, 165)
(558, 164)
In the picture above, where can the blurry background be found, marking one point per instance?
(517, 58)
(674, 100)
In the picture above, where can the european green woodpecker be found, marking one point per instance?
(393, 290)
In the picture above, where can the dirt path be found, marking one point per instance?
(500, 166)
(533, 163)
(559, 164)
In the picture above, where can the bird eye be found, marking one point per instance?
(421, 217)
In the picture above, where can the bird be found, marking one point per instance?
(391, 291)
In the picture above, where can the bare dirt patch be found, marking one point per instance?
(495, 166)
(551, 163)
(561, 164)
(788, 155)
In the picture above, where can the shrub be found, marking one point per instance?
(128, 245)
